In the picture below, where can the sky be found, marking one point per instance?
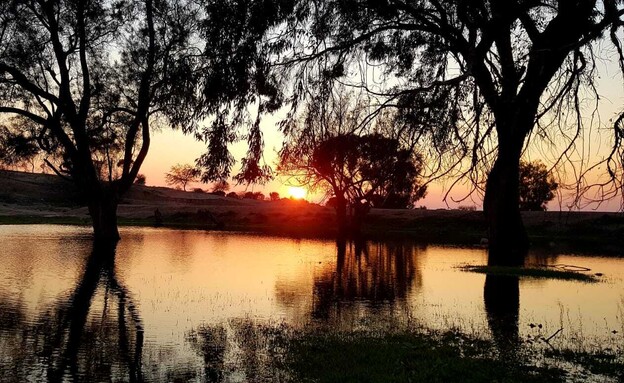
(169, 148)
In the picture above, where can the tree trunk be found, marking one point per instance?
(508, 241)
(341, 216)
(103, 211)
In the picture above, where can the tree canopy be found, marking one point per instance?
(357, 171)
(181, 175)
(88, 80)
(537, 186)
(474, 82)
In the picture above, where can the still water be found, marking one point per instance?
(171, 300)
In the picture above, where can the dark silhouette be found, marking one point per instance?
(537, 186)
(86, 80)
(99, 272)
(80, 337)
(501, 295)
(180, 175)
(356, 170)
(512, 63)
(210, 343)
(375, 273)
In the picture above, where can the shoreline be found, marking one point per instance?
(28, 198)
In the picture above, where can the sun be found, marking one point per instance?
(297, 192)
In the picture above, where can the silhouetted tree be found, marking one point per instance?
(537, 186)
(140, 179)
(274, 196)
(470, 78)
(355, 170)
(232, 195)
(221, 186)
(90, 78)
(181, 174)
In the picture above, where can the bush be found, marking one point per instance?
(198, 190)
(140, 179)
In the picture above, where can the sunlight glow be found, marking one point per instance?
(297, 192)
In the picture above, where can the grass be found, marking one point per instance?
(531, 272)
(406, 357)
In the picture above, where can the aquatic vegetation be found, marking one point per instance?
(532, 272)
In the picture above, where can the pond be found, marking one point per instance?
(185, 305)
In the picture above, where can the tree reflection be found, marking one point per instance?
(501, 295)
(373, 273)
(95, 333)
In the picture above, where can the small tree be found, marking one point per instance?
(180, 175)
(221, 186)
(537, 186)
(140, 179)
(274, 196)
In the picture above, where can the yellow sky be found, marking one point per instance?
(172, 147)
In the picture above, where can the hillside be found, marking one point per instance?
(41, 198)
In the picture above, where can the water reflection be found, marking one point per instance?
(96, 332)
(501, 295)
(373, 273)
(204, 298)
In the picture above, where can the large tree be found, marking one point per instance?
(91, 77)
(355, 170)
(473, 79)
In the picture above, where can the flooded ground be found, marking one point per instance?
(187, 305)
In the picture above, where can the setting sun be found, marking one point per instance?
(297, 192)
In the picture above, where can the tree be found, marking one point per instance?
(140, 179)
(180, 175)
(537, 186)
(355, 170)
(221, 186)
(91, 78)
(473, 78)
(274, 196)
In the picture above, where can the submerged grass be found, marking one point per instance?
(532, 272)
(407, 357)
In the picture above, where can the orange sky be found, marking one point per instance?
(171, 147)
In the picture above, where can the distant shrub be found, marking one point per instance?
(198, 190)
(140, 179)
(258, 196)
(467, 208)
(232, 195)
(274, 196)
(220, 193)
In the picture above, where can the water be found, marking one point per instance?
(182, 305)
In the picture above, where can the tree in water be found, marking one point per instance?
(537, 186)
(180, 175)
(473, 79)
(90, 79)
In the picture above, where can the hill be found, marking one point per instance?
(44, 198)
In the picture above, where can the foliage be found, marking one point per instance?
(16, 148)
(232, 195)
(221, 185)
(537, 186)
(274, 196)
(140, 179)
(180, 175)
(369, 168)
(473, 83)
(404, 358)
(258, 196)
(532, 272)
(90, 80)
